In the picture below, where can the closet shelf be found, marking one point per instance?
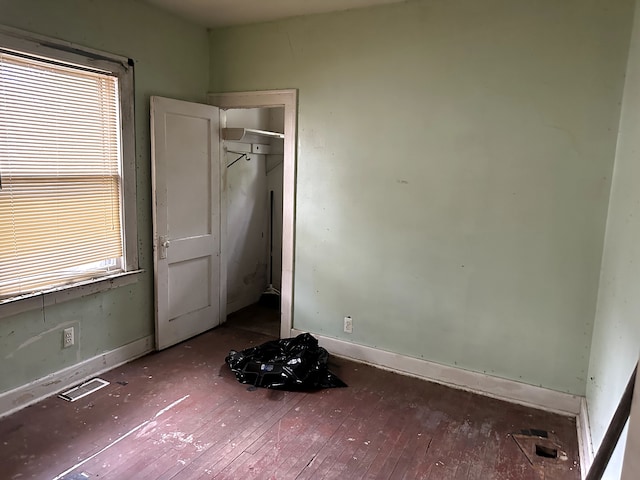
(248, 135)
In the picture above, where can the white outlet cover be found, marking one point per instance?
(68, 338)
(348, 325)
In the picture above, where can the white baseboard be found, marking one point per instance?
(585, 444)
(495, 387)
(33, 392)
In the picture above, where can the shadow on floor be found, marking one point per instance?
(256, 318)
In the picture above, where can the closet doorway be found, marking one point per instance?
(253, 148)
(257, 151)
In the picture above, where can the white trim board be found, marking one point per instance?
(495, 387)
(585, 444)
(33, 392)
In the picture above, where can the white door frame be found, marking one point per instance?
(631, 461)
(266, 98)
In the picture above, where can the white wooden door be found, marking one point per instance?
(186, 218)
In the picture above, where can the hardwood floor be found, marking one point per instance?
(180, 414)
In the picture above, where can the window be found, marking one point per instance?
(67, 185)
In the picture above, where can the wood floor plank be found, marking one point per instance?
(242, 435)
(359, 439)
(309, 429)
(377, 441)
(280, 443)
(331, 449)
(407, 454)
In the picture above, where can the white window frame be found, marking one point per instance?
(122, 67)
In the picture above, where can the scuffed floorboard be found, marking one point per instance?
(180, 414)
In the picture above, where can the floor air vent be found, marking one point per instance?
(83, 390)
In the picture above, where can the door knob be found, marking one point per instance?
(164, 243)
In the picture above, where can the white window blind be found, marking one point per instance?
(60, 199)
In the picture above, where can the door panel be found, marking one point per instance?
(186, 217)
(188, 290)
(189, 177)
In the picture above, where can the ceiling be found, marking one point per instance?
(218, 13)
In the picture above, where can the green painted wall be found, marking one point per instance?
(616, 334)
(454, 165)
(172, 59)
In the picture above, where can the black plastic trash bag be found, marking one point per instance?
(288, 364)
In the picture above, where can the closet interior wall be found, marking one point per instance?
(249, 182)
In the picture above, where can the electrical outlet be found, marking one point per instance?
(67, 337)
(348, 325)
